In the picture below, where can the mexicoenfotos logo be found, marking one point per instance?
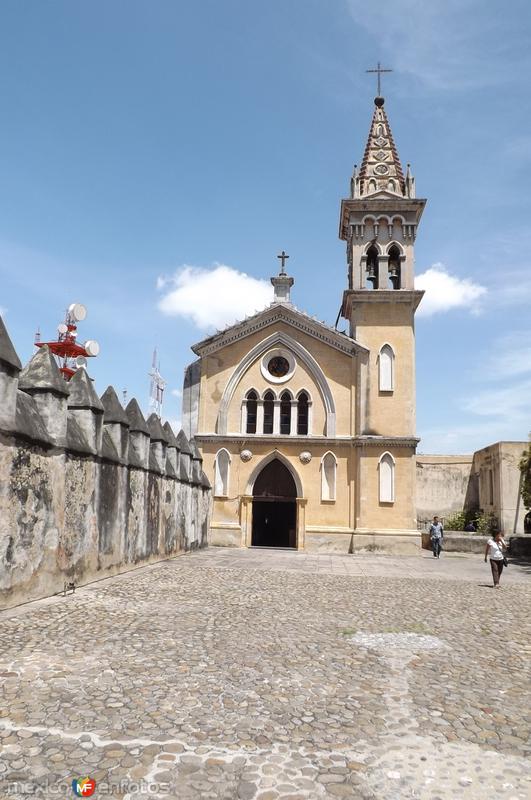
(84, 787)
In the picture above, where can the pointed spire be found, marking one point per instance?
(410, 183)
(135, 417)
(43, 373)
(7, 351)
(380, 169)
(183, 443)
(113, 410)
(170, 436)
(156, 431)
(82, 392)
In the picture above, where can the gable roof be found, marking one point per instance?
(279, 312)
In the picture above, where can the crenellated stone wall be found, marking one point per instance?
(87, 488)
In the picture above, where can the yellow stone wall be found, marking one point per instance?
(330, 513)
(376, 324)
(373, 515)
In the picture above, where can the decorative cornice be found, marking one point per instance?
(356, 441)
(378, 204)
(279, 312)
(245, 440)
(384, 441)
(411, 296)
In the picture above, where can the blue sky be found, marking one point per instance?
(144, 143)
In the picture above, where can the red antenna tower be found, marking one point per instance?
(69, 354)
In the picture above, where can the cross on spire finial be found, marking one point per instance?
(283, 256)
(379, 69)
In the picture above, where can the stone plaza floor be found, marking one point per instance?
(268, 674)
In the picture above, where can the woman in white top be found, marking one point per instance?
(494, 550)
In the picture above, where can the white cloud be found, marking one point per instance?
(512, 402)
(445, 292)
(469, 437)
(512, 357)
(443, 42)
(213, 298)
(177, 392)
(515, 289)
(3, 311)
(498, 409)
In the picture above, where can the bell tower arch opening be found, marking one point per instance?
(274, 507)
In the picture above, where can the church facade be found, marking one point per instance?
(308, 434)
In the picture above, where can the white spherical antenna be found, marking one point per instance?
(62, 328)
(92, 347)
(77, 311)
(81, 361)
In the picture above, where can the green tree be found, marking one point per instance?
(525, 471)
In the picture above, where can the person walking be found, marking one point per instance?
(436, 537)
(494, 550)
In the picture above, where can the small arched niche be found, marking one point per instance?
(386, 369)
(386, 478)
(221, 473)
(328, 477)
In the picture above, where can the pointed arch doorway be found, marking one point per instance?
(274, 507)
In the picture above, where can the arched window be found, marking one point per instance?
(386, 468)
(252, 408)
(386, 369)
(372, 267)
(328, 477)
(302, 414)
(285, 413)
(372, 185)
(221, 480)
(394, 267)
(269, 410)
(391, 185)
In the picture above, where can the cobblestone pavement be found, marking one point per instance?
(259, 674)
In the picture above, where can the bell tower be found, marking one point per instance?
(379, 220)
(379, 224)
